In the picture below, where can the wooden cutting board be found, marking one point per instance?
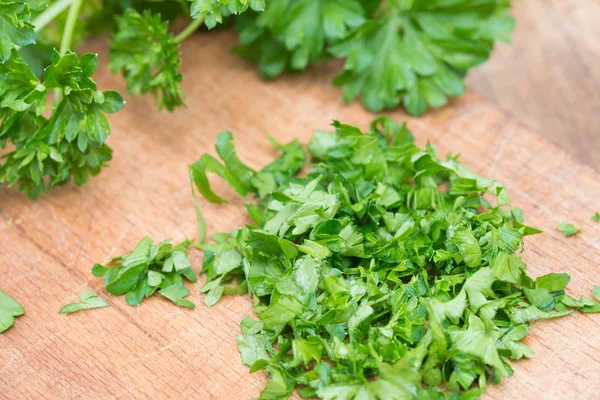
(158, 350)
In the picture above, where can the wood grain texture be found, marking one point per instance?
(48, 247)
(549, 76)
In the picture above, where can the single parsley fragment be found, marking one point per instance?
(385, 272)
(148, 268)
(567, 229)
(596, 217)
(9, 309)
(88, 300)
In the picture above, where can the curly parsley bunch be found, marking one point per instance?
(48, 145)
(409, 52)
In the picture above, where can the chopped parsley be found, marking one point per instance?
(88, 300)
(567, 229)
(9, 309)
(596, 217)
(384, 272)
(148, 268)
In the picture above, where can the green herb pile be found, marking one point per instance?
(384, 273)
(381, 272)
(410, 52)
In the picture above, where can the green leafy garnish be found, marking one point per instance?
(385, 272)
(88, 301)
(567, 229)
(176, 293)
(596, 217)
(9, 309)
(69, 144)
(291, 34)
(147, 268)
(148, 56)
(414, 53)
(16, 29)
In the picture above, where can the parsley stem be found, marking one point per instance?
(67, 37)
(50, 13)
(189, 30)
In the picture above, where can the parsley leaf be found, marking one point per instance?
(414, 53)
(147, 268)
(596, 292)
(596, 217)
(567, 229)
(88, 301)
(176, 293)
(255, 348)
(9, 309)
(290, 34)
(148, 56)
(242, 178)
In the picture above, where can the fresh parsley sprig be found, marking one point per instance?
(149, 57)
(70, 143)
(45, 152)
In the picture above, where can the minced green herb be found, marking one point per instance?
(414, 54)
(596, 217)
(148, 268)
(384, 273)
